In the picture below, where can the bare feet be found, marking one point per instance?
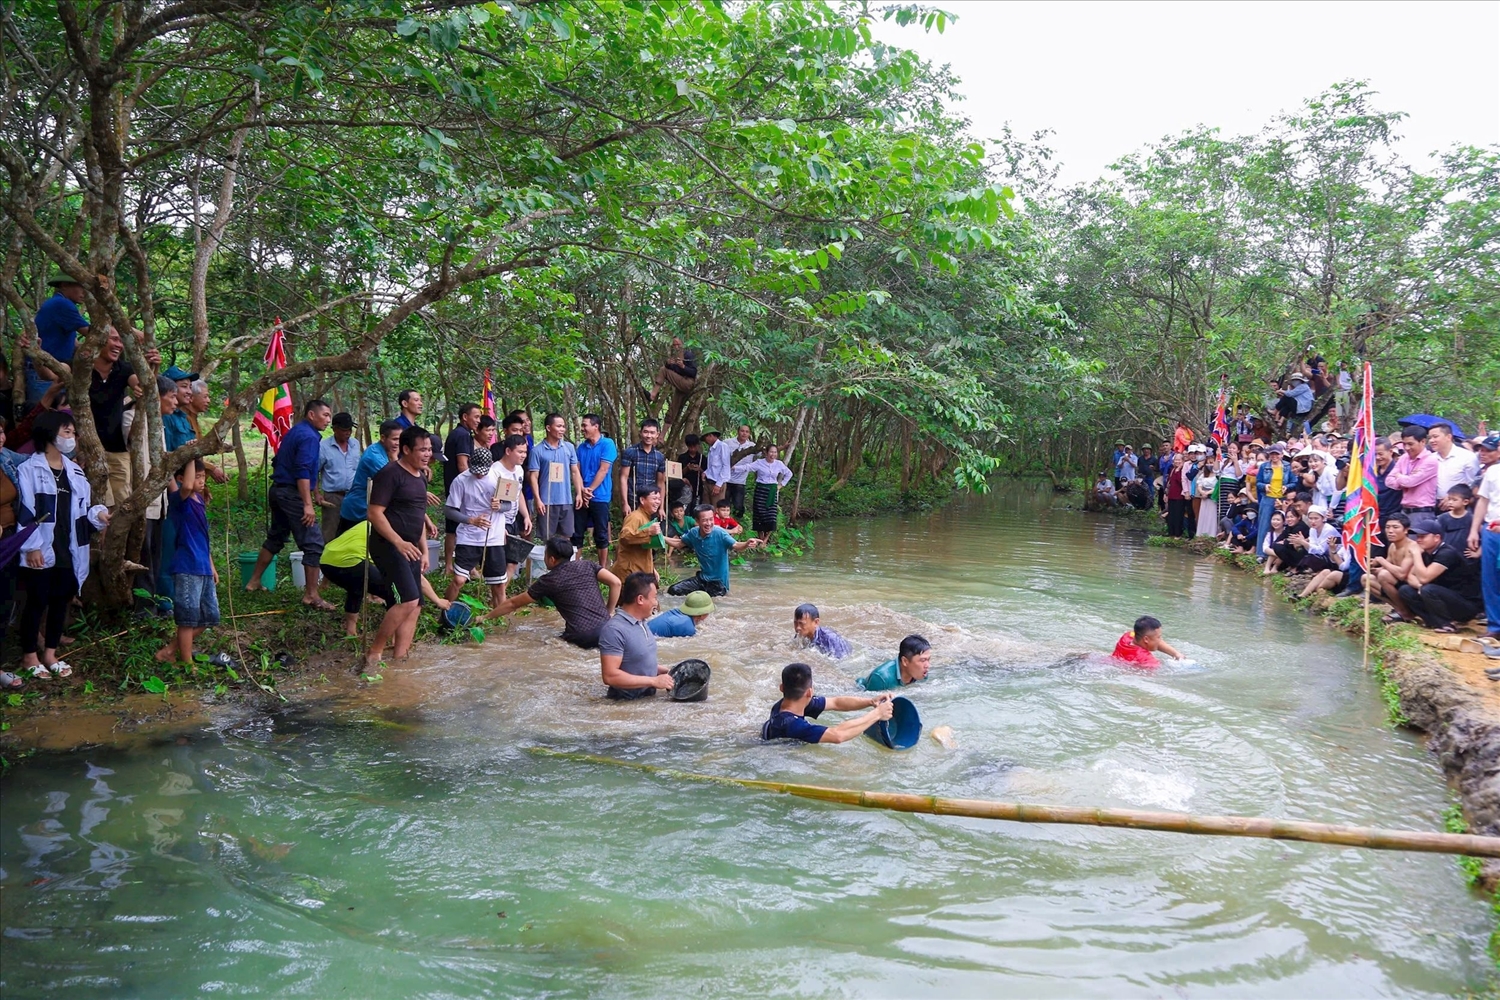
(254, 585)
(319, 603)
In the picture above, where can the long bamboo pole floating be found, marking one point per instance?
(1370, 838)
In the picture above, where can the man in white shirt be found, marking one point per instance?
(716, 464)
(1455, 465)
(742, 453)
(512, 468)
(474, 508)
(1484, 534)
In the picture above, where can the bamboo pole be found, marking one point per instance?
(1370, 838)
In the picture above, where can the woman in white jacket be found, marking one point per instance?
(54, 496)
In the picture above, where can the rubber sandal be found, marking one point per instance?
(1445, 630)
(61, 669)
(1392, 619)
(9, 681)
(40, 672)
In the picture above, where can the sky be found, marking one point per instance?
(1108, 78)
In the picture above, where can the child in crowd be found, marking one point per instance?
(194, 577)
(806, 625)
(789, 716)
(724, 518)
(1456, 519)
(913, 661)
(1137, 646)
(678, 523)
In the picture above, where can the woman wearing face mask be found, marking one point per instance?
(55, 497)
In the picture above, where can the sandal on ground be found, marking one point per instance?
(1445, 630)
(9, 681)
(1392, 619)
(60, 669)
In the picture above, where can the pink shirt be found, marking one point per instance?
(1415, 478)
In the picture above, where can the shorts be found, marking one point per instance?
(517, 549)
(467, 559)
(355, 585)
(584, 639)
(558, 521)
(196, 604)
(401, 573)
(596, 516)
(629, 694)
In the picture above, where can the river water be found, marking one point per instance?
(407, 842)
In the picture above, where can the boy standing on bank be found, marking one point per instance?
(195, 605)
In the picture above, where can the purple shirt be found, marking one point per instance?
(1415, 478)
(830, 643)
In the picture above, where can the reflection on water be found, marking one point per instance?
(423, 851)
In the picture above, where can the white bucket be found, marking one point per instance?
(435, 554)
(535, 565)
(299, 576)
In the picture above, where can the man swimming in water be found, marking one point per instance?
(911, 664)
(1137, 646)
(807, 626)
(789, 716)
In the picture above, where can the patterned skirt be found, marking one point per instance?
(763, 507)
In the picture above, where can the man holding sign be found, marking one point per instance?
(596, 456)
(640, 536)
(552, 470)
(643, 465)
(473, 507)
(510, 472)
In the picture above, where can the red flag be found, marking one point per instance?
(489, 396)
(274, 416)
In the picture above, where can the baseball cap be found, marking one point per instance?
(1425, 526)
(1491, 443)
(177, 374)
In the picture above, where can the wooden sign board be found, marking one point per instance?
(557, 472)
(674, 470)
(509, 491)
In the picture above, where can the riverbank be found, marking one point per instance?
(1427, 686)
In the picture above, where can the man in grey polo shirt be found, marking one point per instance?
(627, 649)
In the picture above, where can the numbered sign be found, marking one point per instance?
(557, 472)
(674, 470)
(508, 491)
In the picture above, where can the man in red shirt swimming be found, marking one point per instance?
(1137, 647)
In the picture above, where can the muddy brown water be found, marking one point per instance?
(402, 841)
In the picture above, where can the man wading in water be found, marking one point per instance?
(398, 515)
(627, 649)
(712, 547)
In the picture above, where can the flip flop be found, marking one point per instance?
(9, 681)
(1392, 619)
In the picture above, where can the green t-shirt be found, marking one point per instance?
(885, 677)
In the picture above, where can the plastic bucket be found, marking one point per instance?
(247, 566)
(299, 575)
(902, 730)
(536, 566)
(690, 681)
(458, 615)
(434, 554)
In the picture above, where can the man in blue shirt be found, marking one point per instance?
(293, 473)
(682, 623)
(712, 547)
(338, 457)
(808, 626)
(409, 402)
(355, 507)
(552, 469)
(58, 324)
(789, 716)
(596, 455)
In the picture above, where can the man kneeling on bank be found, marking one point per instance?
(627, 649)
(789, 716)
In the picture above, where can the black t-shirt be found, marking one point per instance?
(1456, 529)
(1462, 574)
(460, 442)
(62, 531)
(404, 497)
(107, 400)
(1149, 467)
(692, 468)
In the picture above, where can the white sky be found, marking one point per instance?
(1108, 78)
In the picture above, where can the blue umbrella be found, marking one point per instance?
(1427, 421)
